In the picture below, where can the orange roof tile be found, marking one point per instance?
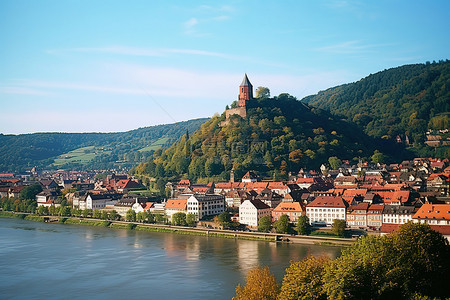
(433, 211)
(328, 201)
(289, 206)
(176, 204)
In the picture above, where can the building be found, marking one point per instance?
(205, 205)
(251, 211)
(245, 91)
(270, 198)
(292, 209)
(357, 215)
(393, 214)
(375, 216)
(324, 209)
(433, 214)
(174, 206)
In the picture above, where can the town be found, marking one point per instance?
(371, 197)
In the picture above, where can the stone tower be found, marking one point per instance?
(245, 91)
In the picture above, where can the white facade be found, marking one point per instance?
(325, 214)
(205, 205)
(249, 214)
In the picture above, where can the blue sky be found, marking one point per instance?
(103, 66)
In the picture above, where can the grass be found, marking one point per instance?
(81, 155)
(155, 145)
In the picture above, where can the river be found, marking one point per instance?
(59, 261)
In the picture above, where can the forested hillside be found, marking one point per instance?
(406, 100)
(22, 152)
(278, 136)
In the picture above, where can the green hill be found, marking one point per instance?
(88, 150)
(402, 101)
(278, 136)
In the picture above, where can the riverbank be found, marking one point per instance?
(270, 237)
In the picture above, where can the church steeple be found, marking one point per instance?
(245, 91)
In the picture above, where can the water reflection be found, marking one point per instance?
(127, 263)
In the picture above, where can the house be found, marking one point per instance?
(46, 198)
(235, 198)
(98, 201)
(205, 205)
(292, 209)
(125, 204)
(14, 191)
(325, 209)
(49, 184)
(357, 215)
(375, 216)
(250, 176)
(433, 214)
(353, 195)
(393, 214)
(394, 198)
(269, 197)
(126, 185)
(251, 211)
(279, 187)
(174, 206)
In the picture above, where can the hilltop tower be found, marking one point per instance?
(245, 91)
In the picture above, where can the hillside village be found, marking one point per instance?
(375, 198)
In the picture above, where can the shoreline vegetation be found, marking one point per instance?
(269, 237)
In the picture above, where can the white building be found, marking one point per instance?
(393, 214)
(174, 206)
(205, 205)
(324, 209)
(251, 211)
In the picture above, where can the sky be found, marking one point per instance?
(108, 65)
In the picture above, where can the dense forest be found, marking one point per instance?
(278, 136)
(24, 151)
(403, 101)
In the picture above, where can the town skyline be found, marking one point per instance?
(70, 67)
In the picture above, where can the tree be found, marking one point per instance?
(150, 217)
(265, 224)
(190, 219)
(30, 192)
(338, 227)
(64, 211)
(224, 219)
(86, 212)
(113, 215)
(104, 215)
(413, 260)
(303, 227)
(377, 157)
(179, 219)
(96, 214)
(130, 216)
(262, 92)
(304, 279)
(282, 225)
(140, 216)
(261, 285)
(335, 162)
(234, 104)
(43, 210)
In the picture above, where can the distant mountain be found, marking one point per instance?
(88, 150)
(279, 135)
(402, 101)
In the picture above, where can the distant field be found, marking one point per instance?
(81, 155)
(155, 145)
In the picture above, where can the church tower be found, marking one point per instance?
(245, 91)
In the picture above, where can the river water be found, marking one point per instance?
(58, 261)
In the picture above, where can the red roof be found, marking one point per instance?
(433, 211)
(176, 204)
(397, 196)
(289, 206)
(328, 201)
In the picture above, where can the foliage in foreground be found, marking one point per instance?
(411, 263)
(261, 285)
